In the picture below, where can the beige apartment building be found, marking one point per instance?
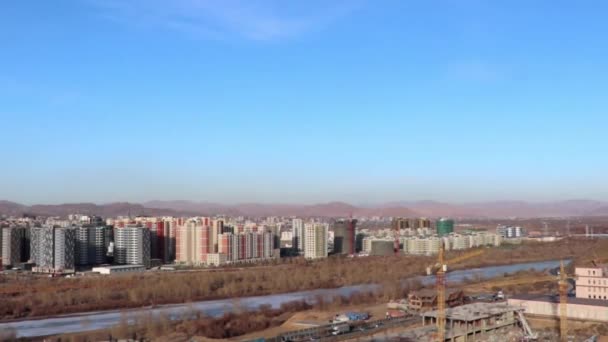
(592, 282)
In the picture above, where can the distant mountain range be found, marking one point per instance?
(498, 209)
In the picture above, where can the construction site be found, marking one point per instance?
(577, 311)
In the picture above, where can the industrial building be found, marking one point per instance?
(315, 240)
(583, 309)
(444, 226)
(472, 322)
(132, 246)
(118, 269)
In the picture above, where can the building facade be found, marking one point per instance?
(344, 236)
(12, 245)
(132, 246)
(91, 245)
(53, 249)
(315, 240)
(592, 282)
(297, 229)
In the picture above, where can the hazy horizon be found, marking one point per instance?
(303, 102)
(404, 203)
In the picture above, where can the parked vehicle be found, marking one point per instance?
(339, 329)
(395, 314)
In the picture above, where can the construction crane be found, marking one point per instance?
(440, 269)
(563, 293)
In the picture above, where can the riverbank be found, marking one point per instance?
(216, 308)
(48, 298)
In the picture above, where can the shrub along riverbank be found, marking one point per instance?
(37, 297)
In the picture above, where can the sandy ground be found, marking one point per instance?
(312, 316)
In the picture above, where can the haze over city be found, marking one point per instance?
(303, 102)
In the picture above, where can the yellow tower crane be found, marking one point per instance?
(440, 269)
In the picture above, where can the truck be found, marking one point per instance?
(395, 314)
(357, 316)
(340, 329)
(351, 316)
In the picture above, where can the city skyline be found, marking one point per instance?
(291, 102)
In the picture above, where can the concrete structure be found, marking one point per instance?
(426, 299)
(444, 226)
(132, 246)
(472, 322)
(315, 240)
(592, 282)
(381, 247)
(548, 306)
(118, 269)
(422, 222)
(400, 223)
(12, 245)
(53, 249)
(344, 236)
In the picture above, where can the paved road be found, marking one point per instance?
(324, 333)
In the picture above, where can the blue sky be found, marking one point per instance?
(303, 101)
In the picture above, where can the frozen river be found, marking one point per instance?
(104, 319)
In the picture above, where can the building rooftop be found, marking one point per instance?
(118, 267)
(475, 311)
(555, 299)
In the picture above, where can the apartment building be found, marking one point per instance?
(53, 249)
(193, 242)
(91, 245)
(315, 240)
(12, 245)
(132, 246)
(592, 282)
(297, 229)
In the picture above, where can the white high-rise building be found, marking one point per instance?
(297, 226)
(315, 240)
(132, 246)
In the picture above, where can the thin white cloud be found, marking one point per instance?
(476, 71)
(251, 19)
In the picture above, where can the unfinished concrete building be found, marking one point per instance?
(426, 299)
(475, 321)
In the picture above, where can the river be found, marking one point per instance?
(88, 321)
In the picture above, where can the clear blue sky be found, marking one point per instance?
(303, 101)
